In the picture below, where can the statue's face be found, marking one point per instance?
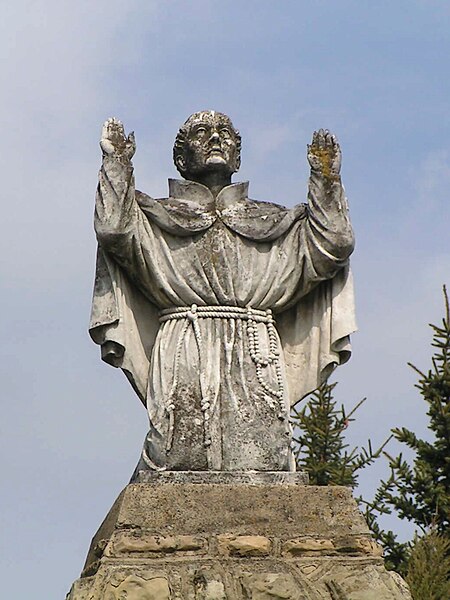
(210, 144)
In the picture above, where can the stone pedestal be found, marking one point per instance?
(231, 537)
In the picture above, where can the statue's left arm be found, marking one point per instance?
(327, 233)
(315, 331)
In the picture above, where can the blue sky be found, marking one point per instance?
(375, 73)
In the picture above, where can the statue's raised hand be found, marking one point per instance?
(324, 154)
(114, 142)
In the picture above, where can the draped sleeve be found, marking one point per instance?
(124, 321)
(315, 334)
(315, 329)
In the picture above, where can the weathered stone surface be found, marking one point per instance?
(129, 543)
(308, 544)
(235, 542)
(358, 544)
(349, 545)
(358, 580)
(81, 589)
(206, 584)
(272, 510)
(138, 588)
(243, 545)
(269, 586)
(222, 477)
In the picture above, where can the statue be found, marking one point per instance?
(222, 311)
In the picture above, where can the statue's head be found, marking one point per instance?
(207, 143)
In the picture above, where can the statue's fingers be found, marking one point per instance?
(327, 138)
(107, 146)
(336, 144)
(111, 123)
(105, 129)
(131, 144)
(321, 138)
(115, 124)
(111, 126)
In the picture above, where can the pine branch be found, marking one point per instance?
(420, 491)
(321, 448)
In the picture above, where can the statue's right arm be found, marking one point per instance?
(117, 214)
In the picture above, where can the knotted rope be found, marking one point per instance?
(253, 316)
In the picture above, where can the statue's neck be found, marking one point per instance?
(215, 182)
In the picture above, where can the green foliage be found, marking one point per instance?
(420, 493)
(396, 554)
(321, 449)
(429, 567)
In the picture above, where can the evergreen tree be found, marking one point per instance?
(321, 449)
(420, 492)
(428, 573)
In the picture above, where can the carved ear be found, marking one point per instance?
(180, 163)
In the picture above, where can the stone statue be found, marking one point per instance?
(222, 311)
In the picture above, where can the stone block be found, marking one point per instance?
(308, 545)
(138, 588)
(129, 543)
(244, 545)
(359, 545)
(269, 586)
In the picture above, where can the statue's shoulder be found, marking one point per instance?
(144, 200)
(259, 220)
(274, 207)
(176, 216)
(254, 219)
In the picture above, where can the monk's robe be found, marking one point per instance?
(223, 313)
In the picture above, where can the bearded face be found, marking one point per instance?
(207, 143)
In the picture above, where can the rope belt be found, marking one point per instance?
(191, 315)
